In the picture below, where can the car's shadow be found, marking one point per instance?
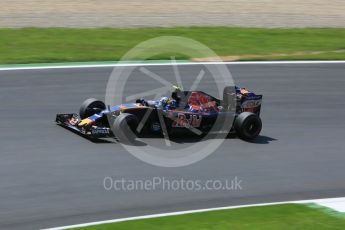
(183, 140)
(187, 138)
(262, 140)
(191, 139)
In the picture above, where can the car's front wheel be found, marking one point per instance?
(90, 107)
(248, 125)
(124, 128)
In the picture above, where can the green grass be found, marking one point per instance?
(287, 216)
(44, 45)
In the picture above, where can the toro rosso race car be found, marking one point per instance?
(183, 111)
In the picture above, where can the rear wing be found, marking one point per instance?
(250, 103)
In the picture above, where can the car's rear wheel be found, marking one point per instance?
(124, 128)
(90, 107)
(248, 125)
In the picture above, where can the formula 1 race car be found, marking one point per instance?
(184, 111)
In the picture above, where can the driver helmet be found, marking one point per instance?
(177, 94)
(163, 102)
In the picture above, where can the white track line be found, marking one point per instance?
(328, 202)
(71, 66)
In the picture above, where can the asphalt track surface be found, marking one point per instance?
(52, 177)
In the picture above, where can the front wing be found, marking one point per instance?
(71, 122)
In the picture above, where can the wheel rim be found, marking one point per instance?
(253, 128)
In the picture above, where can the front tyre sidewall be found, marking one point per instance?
(124, 128)
(89, 107)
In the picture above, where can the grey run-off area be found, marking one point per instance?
(137, 13)
(52, 177)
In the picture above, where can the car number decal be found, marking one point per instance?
(184, 122)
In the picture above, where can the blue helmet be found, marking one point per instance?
(163, 102)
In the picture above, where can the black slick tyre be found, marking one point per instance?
(124, 128)
(90, 106)
(248, 125)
